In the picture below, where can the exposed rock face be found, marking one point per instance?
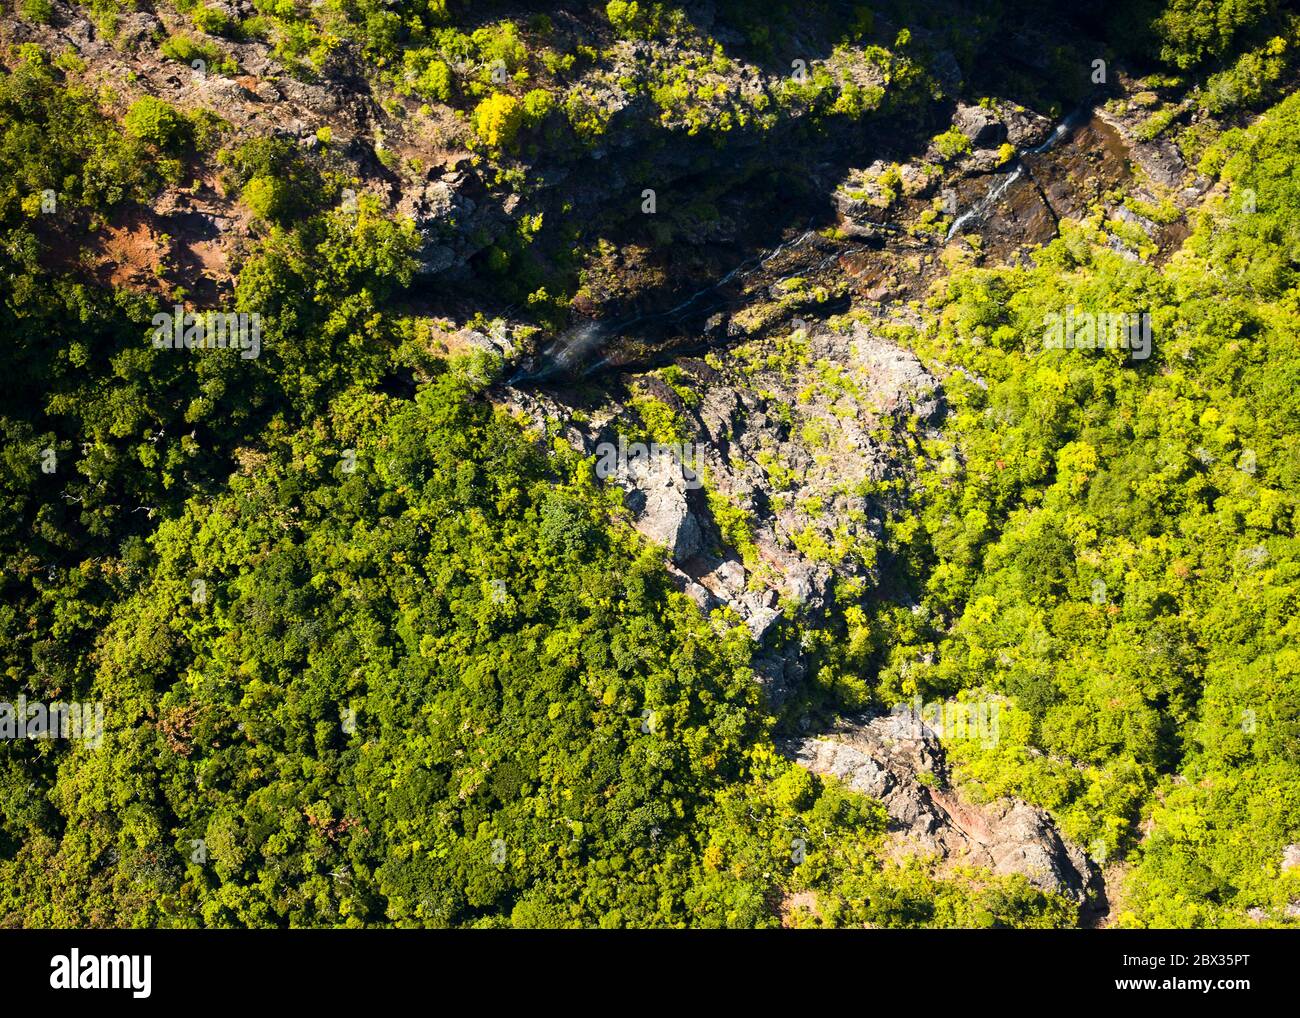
(1158, 158)
(1025, 128)
(797, 461)
(432, 209)
(452, 225)
(657, 492)
(883, 757)
(799, 428)
(980, 126)
(452, 210)
(801, 422)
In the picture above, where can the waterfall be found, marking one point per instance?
(986, 204)
(569, 351)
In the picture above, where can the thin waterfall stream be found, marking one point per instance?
(571, 353)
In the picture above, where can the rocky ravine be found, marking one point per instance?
(798, 421)
(799, 415)
(799, 437)
(803, 419)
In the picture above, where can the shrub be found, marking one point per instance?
(1156, 124)
(40, 11)
(635, 20)
(212, 20)
(187, 50)
(500, 44)
(267, 197)
(157, 122)
(537, 106)
(1193, 31)
(434, 82)
(951, 144)
(498, 119)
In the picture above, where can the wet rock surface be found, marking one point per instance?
(981, 127)
(879, 249)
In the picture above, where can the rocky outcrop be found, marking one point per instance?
(455, 214)
(657, 489)
(981, 127)
(900, 761)
(452, 224)
(785, 494)
(797, 463)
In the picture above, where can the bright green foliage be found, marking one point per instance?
(156, 122)
(635, 19)
(1194, 31)
(41, 11)
(1116, 548)
(499, 119)
(438, 690)
(276, 182)
(434, 678)
(498, 653)
(430, 77)
(54, 138)
(188, 50)
(267, 197)
(951, 144)
(1253, 78)
(212, 20)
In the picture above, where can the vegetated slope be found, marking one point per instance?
(1115, 545)
(368, 661)
(438, 689)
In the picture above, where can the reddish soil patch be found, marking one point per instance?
(188, 240)
(797, 901)
(131, 253)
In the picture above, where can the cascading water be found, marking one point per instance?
(564, 355)
(981, 208)
(571, 349)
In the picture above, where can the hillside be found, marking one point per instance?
(650, 465)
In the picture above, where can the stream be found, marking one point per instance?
(977, 212)
(569, 355)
